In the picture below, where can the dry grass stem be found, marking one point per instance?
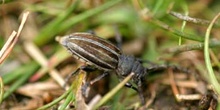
(36, 53)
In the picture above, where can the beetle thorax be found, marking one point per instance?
(128, 64)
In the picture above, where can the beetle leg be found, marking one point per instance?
(99, 78)
(88, 83)
(147, 61)
(86, 68)
(129, 85)
(71, 75)
(140, 91)
(166, 66)
(84, 89)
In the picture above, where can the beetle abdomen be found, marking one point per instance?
(92, 49)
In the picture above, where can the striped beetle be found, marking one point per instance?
(107, 57)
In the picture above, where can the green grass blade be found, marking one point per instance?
(51, 31)
(113, 91)
(1, 90)
(30, 68)
(212, 77)
(45, 33)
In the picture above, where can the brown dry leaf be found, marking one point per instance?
(36, 89)
(32, 104)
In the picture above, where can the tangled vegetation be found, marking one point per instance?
(34, 64)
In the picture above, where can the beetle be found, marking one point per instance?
(108, 57)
